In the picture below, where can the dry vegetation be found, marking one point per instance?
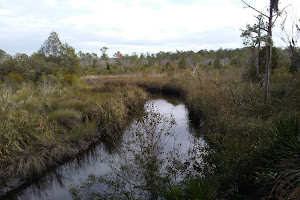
(236, 123)
(42, 126)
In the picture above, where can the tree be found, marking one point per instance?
(69, 60)
(108, 67)
(95, 58)
(291, 38)
(217, 64)
(274, 61)
(273, 7)
(119, 57)
(3, 55)
(104, 55)
(252, 37)
(62, 54)
(52, 46)
(183, 64)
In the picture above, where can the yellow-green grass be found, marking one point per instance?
(41, 126)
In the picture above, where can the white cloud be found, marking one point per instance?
(128, 26)
(50, 2)
(5, 12)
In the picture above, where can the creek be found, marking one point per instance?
(174, 152)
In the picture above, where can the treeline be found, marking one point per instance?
(182, 60)
(53, 62)
(58, 62)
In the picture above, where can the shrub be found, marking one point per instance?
(70, 78)
(14, 78)
(281, 158)
(192, 189)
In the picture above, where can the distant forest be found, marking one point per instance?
(57, 62)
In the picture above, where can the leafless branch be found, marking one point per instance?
(255, 9)
(280, 13)
(230, 97)
(254, 89)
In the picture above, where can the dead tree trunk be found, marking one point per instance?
(258, 48)
(273, 7)
(269, 52)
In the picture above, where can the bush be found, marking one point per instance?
(281, 158)
(14, 78)
(70, 78)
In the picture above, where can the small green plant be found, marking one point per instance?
(190, 190)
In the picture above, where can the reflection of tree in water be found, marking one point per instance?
(141, 164)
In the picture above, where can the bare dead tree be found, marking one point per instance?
(291, 38)
(194, 69)
(273, 7)
(259, 18)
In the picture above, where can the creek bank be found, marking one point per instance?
(109, 117)
(94, 164)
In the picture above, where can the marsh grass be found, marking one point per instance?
(42, 125)
(72, 116)
(69, 118)
(233, 117)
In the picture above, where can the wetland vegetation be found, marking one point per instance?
(56, 104)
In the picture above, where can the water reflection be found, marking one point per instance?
(55, 184)
(139, 164)
(157, 149)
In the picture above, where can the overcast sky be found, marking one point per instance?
(127, 25)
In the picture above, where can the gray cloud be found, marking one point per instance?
(27, 27)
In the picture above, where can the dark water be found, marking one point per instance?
(56, 184)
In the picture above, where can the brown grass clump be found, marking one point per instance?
(41, 126)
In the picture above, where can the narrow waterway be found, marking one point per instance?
(172, 144)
